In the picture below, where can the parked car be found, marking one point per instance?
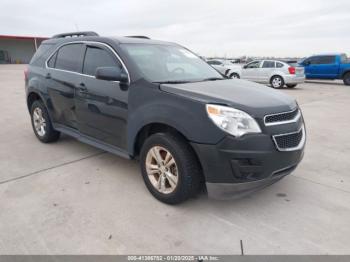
(327, 66)
(276, 73)
(225, 67)
(159, 103)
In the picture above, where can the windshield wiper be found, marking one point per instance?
(172, 82)
(213, 79)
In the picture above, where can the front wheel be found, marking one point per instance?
(277, 82)
(346, 79)
(291, 85)
(170, 168)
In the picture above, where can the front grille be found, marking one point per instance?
(280, 118)
(291, 141)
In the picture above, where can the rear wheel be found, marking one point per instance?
(346, 79)
(170, 168)
(277, 82)
(41, 123)
(291, 85)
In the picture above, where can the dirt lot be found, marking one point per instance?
(70, 198)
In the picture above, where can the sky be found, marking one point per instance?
(230, 28)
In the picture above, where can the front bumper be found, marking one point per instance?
(239, 166)
(225, 191)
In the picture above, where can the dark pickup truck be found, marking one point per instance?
(327, 66)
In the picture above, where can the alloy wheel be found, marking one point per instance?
(276, 82)
(39, 122)
(162, 170)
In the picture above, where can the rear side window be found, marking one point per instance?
(41, 54)
(68, 57)
(279, 65)
(97, 57)
(52, 61)
(268, 64)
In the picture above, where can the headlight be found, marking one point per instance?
(233, 121)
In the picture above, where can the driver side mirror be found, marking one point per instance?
(111, 74)
(245, 67)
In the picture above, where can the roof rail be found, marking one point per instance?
(76, 34)
(138, 36)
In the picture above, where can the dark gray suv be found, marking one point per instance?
(158, 102)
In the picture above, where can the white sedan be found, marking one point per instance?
(276, 73)
(225, 67)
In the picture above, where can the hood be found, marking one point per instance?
(255, 99)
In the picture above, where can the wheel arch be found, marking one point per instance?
(276, 74)
(152, 128)
(32, 97)
(344, 73)
(158, 127)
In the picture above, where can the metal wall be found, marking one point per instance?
(19, 51)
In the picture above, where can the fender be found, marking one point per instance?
(344, 73)
(187, 116)
(276, 73)
(38, 87)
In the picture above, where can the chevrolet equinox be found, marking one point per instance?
(159, 103)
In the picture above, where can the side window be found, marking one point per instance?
(279, 65)
(52, 61)
(313, 60)
(343, 59)
(97, 57)
(214, 62)
(255, 64)
(68, 57)
(324, 60)
(268, 64)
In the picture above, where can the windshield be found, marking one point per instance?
(167, 63)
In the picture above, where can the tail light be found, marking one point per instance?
(26, 73)
(291, 70)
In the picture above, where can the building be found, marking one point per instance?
(18, 49)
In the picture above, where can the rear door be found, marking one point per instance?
(266, 70)
(251, 71)
(101, 105)
(62, 74)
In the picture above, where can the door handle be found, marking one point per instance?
(82, 88)
(48, 76)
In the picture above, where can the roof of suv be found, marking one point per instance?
(117, 39)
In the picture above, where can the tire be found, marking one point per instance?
(185, 179)
(41, 123)
(291, 85)
(346, 79)
(277, 82)
(234, 75)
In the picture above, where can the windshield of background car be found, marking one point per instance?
(162, 63)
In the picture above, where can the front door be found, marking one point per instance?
(101, 105)
(251, 71)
